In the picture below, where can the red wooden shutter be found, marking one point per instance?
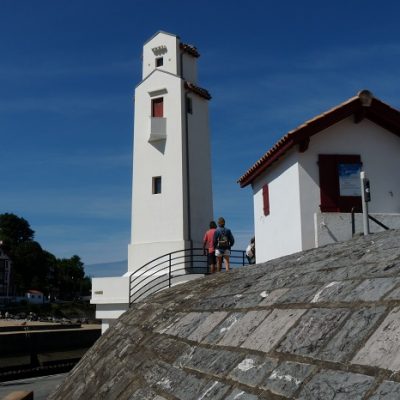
(265, 193)
(328, 183)
(157, 107)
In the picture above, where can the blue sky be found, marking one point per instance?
(67, 75)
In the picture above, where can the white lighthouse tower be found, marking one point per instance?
(172, 196)
(172, 190)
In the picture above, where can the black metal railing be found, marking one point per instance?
(353, 222)
(171, 268)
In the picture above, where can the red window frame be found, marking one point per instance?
(331, 200)
(157, 107)
(265, 194)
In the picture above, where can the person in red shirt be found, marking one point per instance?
(208, 244)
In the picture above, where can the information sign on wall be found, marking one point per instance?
(349, 179)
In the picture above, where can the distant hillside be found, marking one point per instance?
(116, 268)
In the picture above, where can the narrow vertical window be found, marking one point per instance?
(189, 105)
(159, 61)
(265, 194)
(157, 107)
(156, 184)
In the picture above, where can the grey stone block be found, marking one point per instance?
(220, 331)
(253, 369)
(312, 332)
(246, 324)
(214, 390)
(210, 361)
(387, 390)
(208, 324)
(334, 291)
(336, 385)
(167, 349)
(145, 394)
(301, 294)
(287, 378)
(187, 324)
(383, 347)
(249, 300)
(274, 327)
(218, 303)
(394, 295)
(238, 394)
(271, 297)
(346, 341)
(372, 289)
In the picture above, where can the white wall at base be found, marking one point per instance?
(278, 233)
(336, 227)
(113, 290)
(110, 311)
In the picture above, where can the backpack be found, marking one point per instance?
(223, 240)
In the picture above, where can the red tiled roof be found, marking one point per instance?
(198, 90)
(364, 105)
(188, 48)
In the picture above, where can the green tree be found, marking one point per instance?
(35, 268)
(15, 230)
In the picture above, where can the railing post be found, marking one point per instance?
(243, 254)
(169, 270)
(353, 222)
(365, 198)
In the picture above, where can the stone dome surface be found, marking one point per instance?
(320, 324)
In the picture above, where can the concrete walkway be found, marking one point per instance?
(42, 386)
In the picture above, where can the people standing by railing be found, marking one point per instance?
(223, 241)
(208, 246)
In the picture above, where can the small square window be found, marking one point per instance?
(189, 105)
(156, 184)
(159, 62)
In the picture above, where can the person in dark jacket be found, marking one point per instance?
(223, 241)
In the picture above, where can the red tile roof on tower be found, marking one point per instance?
(188, 48)
(198, 90)
(364, 105)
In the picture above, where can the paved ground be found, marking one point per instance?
(322, 324)
(42, 386)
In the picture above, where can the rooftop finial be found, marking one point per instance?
(365, 97)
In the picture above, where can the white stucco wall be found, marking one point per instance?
(189, 67)
(168, 45)
(278, 233)
(157, 217)
(201, 202)
(337, 227)
(380, 155)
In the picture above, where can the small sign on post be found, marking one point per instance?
(365, 199)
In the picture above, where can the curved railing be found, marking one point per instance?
(173, 268)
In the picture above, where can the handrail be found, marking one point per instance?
(353, 224)
(166, 270)
(378, 222)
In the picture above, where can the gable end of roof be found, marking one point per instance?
(364, 105)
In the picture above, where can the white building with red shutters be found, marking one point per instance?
(172, 191)
(306, 185)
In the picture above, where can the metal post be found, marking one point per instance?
(364, 200)
(169, 270)
(353, 221)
